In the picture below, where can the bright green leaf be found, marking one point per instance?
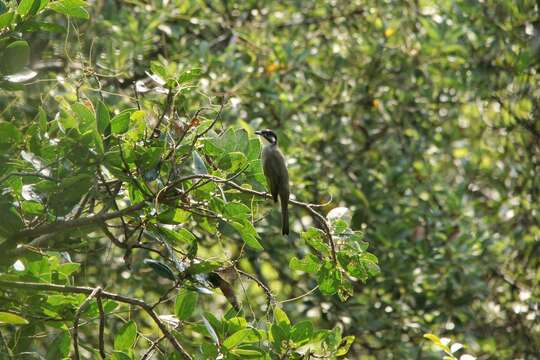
(12, 319)
(74, 8)
(185, 304)
(126, 336)
(309, 264)
(120, 123)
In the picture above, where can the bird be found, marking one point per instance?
(276, 173)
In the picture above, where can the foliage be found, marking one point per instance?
(135, 221)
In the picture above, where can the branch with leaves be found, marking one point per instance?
(97, 292)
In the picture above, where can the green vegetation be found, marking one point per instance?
(135, 222)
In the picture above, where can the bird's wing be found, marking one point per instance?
(271, 172)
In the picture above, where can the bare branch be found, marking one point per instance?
(101, 342)
(151, 349)
(166, 109)
(76, 319)
(73, 224)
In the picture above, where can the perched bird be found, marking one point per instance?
(276, 173)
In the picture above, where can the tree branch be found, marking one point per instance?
(104, 294)
(76, 319)
(101, 342)
(73, 224)
(151, 349)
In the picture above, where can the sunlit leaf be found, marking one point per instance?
(12, 319)
(75, 8)
(125, 338)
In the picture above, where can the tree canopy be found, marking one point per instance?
(135, 218)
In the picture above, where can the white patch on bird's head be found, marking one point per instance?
(268, 136)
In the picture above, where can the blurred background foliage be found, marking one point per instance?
(420, 117)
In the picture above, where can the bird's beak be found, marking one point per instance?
(258, 132)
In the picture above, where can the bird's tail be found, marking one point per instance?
(284, 216)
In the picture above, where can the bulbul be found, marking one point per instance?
(276, 173)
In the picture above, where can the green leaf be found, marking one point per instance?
(12, 319)
(185, 304)
(186, 236)
(84, 115)
(181, 236)
(249, 234)
(315, 238)
(174, 216)
(60, 347)
(204, 267)
(120, 355)
(232, 161)
(32, 207)
(198, 164)
(14, 57)
(356, 267)
(120, 123)
(6, 19)
(248, 353)
(150, 158)
(109, 306)
(159, 70)
(161, 269)
(345, 345)
(254, 149)
(329, 278)
(279, 335)
(190, 75)
(339, 226)
(28, 7)
(103, 118)
(309, 264)
(9, 134)
(210, 330)
(247, 335)
(236, 323)
(433, 338)
(126, 336)
(236, 211)
(302, 332)
(74, 8)
(281, 318)
(68, 268)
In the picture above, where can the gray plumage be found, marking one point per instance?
(277, 175)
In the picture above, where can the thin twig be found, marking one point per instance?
(300, 296)
(4, 178)
(166, 294)
(166, 109)
(111, 236)
(266, 290)
(101, 332)
(76, 319)
(150, 350)
(112, 196)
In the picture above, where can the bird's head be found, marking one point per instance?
(268, 135)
